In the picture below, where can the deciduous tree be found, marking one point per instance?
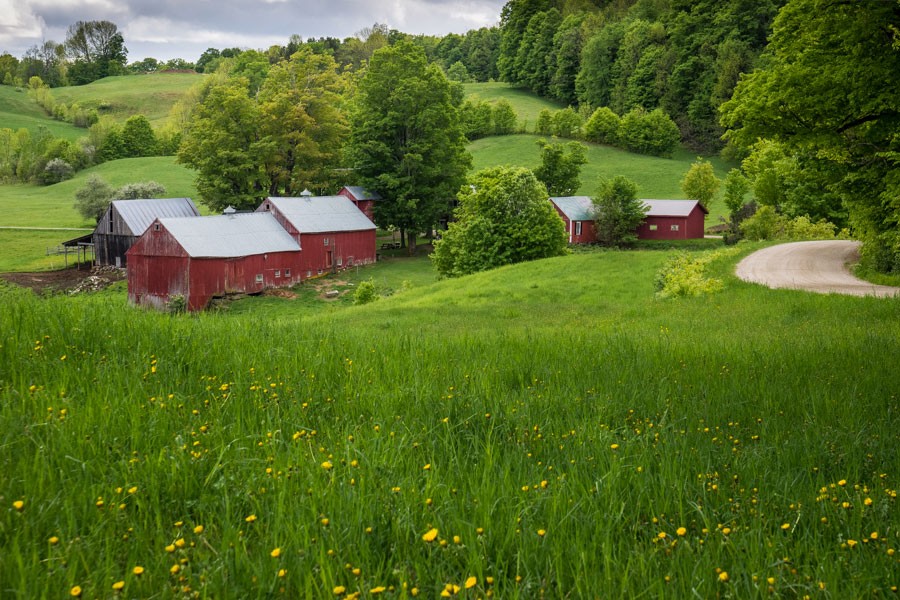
(560, 167)
(618, 211)
(700, 182)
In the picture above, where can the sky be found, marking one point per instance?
(166, 29)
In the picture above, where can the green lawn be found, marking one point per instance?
(542, 430)
(526, 104)
(121, 97)
(18, 111)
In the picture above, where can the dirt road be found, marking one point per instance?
(812, 266)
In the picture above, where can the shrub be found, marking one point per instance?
(603, 126)
(544, 125)
(566, 123)
(685, 275)
(56, 170)
(618, 211)
(651, 133)
(504, 117)
(365, 293)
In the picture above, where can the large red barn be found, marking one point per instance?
(673, 220)
(200, 258)
(332, 232)
(577, 213)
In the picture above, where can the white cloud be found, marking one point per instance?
(19, 25)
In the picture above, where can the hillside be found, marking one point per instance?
(547, 426)
(526, 104)
(18, 111)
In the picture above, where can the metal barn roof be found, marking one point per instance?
(671, 208)
(138, 214)
(361, 193)
(230, 236)
(576, 208)
(322, 214)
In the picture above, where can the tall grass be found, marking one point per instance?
(553, 422)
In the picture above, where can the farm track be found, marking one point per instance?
(819, 267)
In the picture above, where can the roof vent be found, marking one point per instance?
(229, 211)
(306, 193)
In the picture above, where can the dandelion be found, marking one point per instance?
(614, 446)
(117, 586)
(132, 489)
(325, 522)
(338, 590)
(250, 518)
(867, 501)
(174, 570)
(661, 535)
(842, 482)
(377, 590)
(427, 467)
(471, 582)
(19, 505)
(541, 532)
(282, 573)
(771, 580)
(53, 540)
(198, 529)
(75, 592)
(726, 530)
(681, 531)
(430, 535)
(327, 465)
(138, 570)
(873, 535)
(275, 553)
(723, 576)
(852, 543)
(785, 526)
(170, 548)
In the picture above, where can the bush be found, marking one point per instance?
(651, 133)
(566, 123)
(56, 170)
(603, 127)
(504, 117)
(685, 275)
(365, 293)
(544, 125)
(618, 211)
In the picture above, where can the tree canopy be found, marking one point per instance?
(503, 217)
(560, 167)
(407, 141)
(618, 211)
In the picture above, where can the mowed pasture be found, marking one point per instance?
(547, 429)
(18, 111)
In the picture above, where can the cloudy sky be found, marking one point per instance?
(166, 29)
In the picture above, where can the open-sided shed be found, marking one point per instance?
(126, 220)
(203, 257)
(362, 198)
(577, 213)
(332, 232)
(673, 220)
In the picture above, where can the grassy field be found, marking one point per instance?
(121, 97)
(656, 177)
(526, 104)
(18, 111)
(548, 429)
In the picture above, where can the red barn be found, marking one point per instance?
(673, 220)
(203, 257)
(362, 198)
(332, 232)
(577, 213)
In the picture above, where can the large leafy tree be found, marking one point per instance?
(407, 142)
(829, 91)
(700, 182)
(560, 167)
(287, 137)
(503, 217)
(97, 50)
(618, 211)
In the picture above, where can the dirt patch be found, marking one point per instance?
(71, 280)
(281, 293)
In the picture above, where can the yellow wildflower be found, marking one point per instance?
(723, 576)
(138, 570)
(327, 465)
(338, 590)
(250, 518)
(681, 531)
(75, 591)
(430, 535)
(198, 529)
(471, 582)
(118, 585)
(18, 504)
(275, 553)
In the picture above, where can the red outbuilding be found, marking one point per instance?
(362, 198)
(673, 220)
(200, 258)
(577, 213)
(332, 232)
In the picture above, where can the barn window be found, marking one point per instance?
(326, 241)
(268, 206)
(674, 227)
(349, 261)
(340, 261)
(577, 227)
(259, 278)
(277, 273)
(308, 274)
(287, 272)
(156, 227)
(653, 228)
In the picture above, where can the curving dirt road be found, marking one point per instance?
(812, 266)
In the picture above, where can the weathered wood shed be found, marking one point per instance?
(200, 258)
(362, 198)
(577, 213)
(673, 220)
(126, 220)
(332, 232)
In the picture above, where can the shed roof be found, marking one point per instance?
(230, 236)
(322, 214)
(138, 214)
(672, 208)
(576, 208)
(361, 193)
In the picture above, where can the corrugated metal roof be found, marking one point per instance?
(576, 208)
(138, 214)
(230, 236)
(671, 208)
(361, 193)
(322, 214)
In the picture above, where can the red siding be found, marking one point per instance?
(343, 250)
(689, 227)
(588, 233)
(366, 206)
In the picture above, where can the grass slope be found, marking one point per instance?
(121, 97)
(552, 428)
(18, 111)
(526, 104)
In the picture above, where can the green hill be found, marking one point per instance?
(18, 111)
(526, 104)
(546, 426)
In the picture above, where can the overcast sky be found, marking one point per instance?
(166, 29)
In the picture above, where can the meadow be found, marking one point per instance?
(18, 111)
(547, 429)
